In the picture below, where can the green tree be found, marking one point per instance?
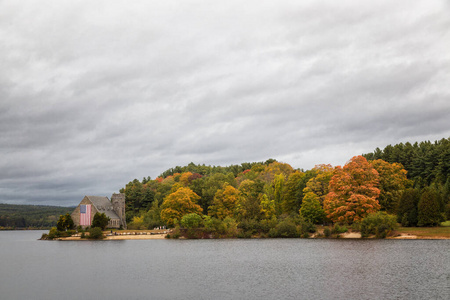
(311, 209)
(293, 192)
(428, 208)
(407, 207)
(65, 222)
(100, 220)
(152, 218)
(248, 206)
(191, 221)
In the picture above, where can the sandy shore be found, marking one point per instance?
(120, 237)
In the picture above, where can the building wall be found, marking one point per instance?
(118, 202)
(76, 213)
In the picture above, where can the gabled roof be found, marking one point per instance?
(103, 205)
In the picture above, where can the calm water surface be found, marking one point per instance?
(222, 269)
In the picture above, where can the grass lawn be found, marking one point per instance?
(446, 223)
(426, 232)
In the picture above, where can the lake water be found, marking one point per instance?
(222, 269)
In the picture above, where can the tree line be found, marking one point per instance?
(257, 197)
(30, 216)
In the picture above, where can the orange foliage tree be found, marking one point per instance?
(179, 203)
(353, 192)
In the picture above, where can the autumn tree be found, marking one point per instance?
(179, 203)
(248, 206)
(208, 186)
(353, 192)
(319, 183)
(267, 207)
(185, 178)
(393, 182)
(224, 203)
(275, 168)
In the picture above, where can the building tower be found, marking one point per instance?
(118, 202)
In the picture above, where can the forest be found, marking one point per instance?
(408, 183)
(14, 216)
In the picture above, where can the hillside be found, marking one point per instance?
(30, 216)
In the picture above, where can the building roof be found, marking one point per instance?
(103, 205)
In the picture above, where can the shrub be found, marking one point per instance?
(307, 227)
(252, 226)
(284, 229)
(100, 220)
(379, 223)
(327, 232)
(191, 220)
(244, 235)
(339, 229)
(95, 233)
(356, 226)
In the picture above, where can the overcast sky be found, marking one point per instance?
(96, 93)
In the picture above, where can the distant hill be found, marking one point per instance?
(30, 216)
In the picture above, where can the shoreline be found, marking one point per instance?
(346, 235)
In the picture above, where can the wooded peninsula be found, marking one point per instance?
(372, 194)
(405, 183)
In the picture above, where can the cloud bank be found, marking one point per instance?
(94, 95)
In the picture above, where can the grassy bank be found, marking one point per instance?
(426, 232)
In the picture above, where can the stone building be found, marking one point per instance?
(90, 205)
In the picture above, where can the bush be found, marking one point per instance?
(356, 226)
(380, 224)
(267, 224)
(53, 233)
(244, 235)
(307, 227)
(252, 226)
(284, 229)
(339, 229)
(100, 220)
(191, 220)
(95, 233)
(327, 232)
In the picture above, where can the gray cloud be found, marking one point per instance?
(94, 95)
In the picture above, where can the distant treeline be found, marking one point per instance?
(426, 162)
(411, 182)
(205, 170)
(30, 216)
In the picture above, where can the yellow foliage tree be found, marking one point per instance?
(393, 182)
(179, 203)
(224, 202)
